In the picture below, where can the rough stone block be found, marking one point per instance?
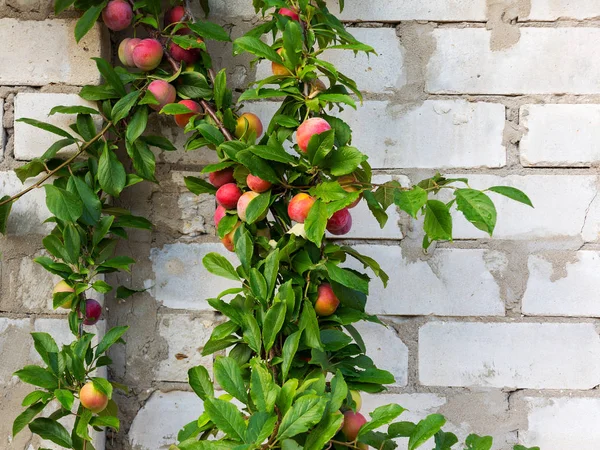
(30, 211)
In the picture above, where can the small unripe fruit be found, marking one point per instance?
(183, 119)
(299, 207)
(189, 56)
(228, 239)
(93, 311)
(349, 184)
(228, 195)
(248, 123)
(308, 129)
(117, 15)
(92, 399)
(63, 286)
(221, 177)
(257, 184)
(164, 92)
(126, 51)
(220, 212)
(357, 399)
(279, 69)
(352, 423)
(289, 13)
(174, 15)
(338, 223)
(327, 302)
(243, 203)
(148, 54)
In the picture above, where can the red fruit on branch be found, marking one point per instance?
(327, 302)
(221, 177)
(340, 223)
(257, 184)
(93, 311)
(228, 195)
(248, 123)
(164, 92)
(220, 212)
(92, 399)
(289, 13)
(299, 207)
(183, 119)
(189, 56)
(352, 423)
(148, 54)
(243, 203)
(126, 51)
(117, 15)
(308, 129)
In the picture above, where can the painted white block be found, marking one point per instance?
(396, 10)
(543, 61)
(181, 281)
(30, 211)
(550, 10)
(451, 282)
(509, 355)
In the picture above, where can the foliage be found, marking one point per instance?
(289, 370)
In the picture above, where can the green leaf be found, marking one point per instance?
(27, 416)
(72, 242)
(277, 154)
(47, 127)
(375, 208)
(193, 85)
(229, 376)
(105, 421)
(319, 146)
(92, 206)
(477, 208)
(219, 265)
(199, 186)
(61, 5)
(210, 31)
(37, 376)
(316, 222)
(521, 447)
(199, 380)
(324, 432)
(438, 221)
(110, 338)
(95, 93)
(144, 161)
(4, 213)
(226, 417)
(304, 413)
(290, 347)
(256, 47)
(512, 193)
(252, 333)
(344, 161)
(381, 416)
(221, 91)
(160, 142)
(65, 398)
(51, 430)
(310, 326)
(138, 123)
(87, 21)
(211, 133)
(411, 201)
(260, 427)
(111, 173)
(103, 385)
(445, 441)
(33, 168)
(425, 429)
(63, 204)
(36, 396)
(475, 442)
(263, 389)
(257, 207)
(124, 105)
(125, 292)
(272, 324)
(347, 278)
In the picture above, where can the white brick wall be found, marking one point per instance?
(31, 142)
(450, 283)
(543, 61)
(466, 134)
(563, 284)
(560, 135)
(513, 355)
(396, 10)
(28, 214)
(62, 61)
(549, 10)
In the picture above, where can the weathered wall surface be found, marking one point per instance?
(499, 335)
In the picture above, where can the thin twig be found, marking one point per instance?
(64, 164)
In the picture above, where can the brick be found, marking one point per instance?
(564, 62)
(467, 134)
(184, 349)
(561, 422)
(556, 355)
(550, 10)
(156, 425)
(458, 282)
(63, 60)
(375, 73)
(31, 142)
(560, 135)
(571, 207)
(30, 211)
(562, 284)
(386, 349)
(386, 11)
(181, 281)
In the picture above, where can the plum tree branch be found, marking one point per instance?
(64, 164)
